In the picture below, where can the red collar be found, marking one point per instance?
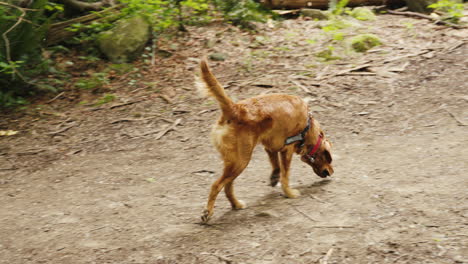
(316, 147)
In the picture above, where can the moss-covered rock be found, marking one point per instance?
(126, 40)
(362, 13)
(327, 55)
(364, 42)
(315, 14)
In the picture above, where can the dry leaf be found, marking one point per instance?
(8, 132)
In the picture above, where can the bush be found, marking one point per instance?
(20, 54)
(452, 11)
(242, 12)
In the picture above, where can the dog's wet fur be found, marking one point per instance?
(266, 119)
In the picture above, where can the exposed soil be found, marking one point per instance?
(93, 184)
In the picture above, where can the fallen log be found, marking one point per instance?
(58, 31)
(323, 4)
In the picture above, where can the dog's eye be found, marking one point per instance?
(328, 156)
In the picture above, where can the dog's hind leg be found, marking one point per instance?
(286, 157)
(274, 161)
(232, 169)
(229, 190)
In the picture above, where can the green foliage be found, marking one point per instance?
(364, 42)
(453, 11)
(327, 54)
(362, 13)
(96, 81)
(121, 68)
(20, 53)
(9, 99)
(241, 12)
(336, 24)
(160, 14)
(107, 98)
(337, 8)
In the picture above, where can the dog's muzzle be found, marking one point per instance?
(325, 173)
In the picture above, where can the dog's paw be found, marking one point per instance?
(274, 178)
(239, 205)
(206, 216)
(293, 193)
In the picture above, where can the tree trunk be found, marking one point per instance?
(419, 5)
(323, 4)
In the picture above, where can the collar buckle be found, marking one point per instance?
(299, 137)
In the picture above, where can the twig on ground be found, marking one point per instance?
(6, 169)
(354, 69)
(166, 98)
(305, 89)
(460, 123)
(406, 56)
(207, 111)
(30, 152)
(220, 257)
(132, 120)
(145, 134)
(124, 104)
(55, 98)
(331, 227)
(457, 45)
(302, 213)
(360, 73)
(139, 89)
(62, 130)
(400, 68)
(419, 15)
(313, 197)
(321, 74)
(327, 256)
(172, 127)
(127, 74)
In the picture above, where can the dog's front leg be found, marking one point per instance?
(274, 161)
(286, 157)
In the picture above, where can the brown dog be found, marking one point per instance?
(280, 122)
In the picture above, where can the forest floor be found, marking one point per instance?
(111, 183)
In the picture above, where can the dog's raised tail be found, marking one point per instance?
(214, 88)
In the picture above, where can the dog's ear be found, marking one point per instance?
(328, 156)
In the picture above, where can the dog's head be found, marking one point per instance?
(317, 151)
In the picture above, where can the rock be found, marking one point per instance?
(315, 14)
(364, 42)
(218, 56)
(126, 40)
(363, 13)
(211, 43)
(419, 5)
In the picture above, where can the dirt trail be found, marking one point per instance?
(107, 193)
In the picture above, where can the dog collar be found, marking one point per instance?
(313, 151)
(316, 147)
(299, 137)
